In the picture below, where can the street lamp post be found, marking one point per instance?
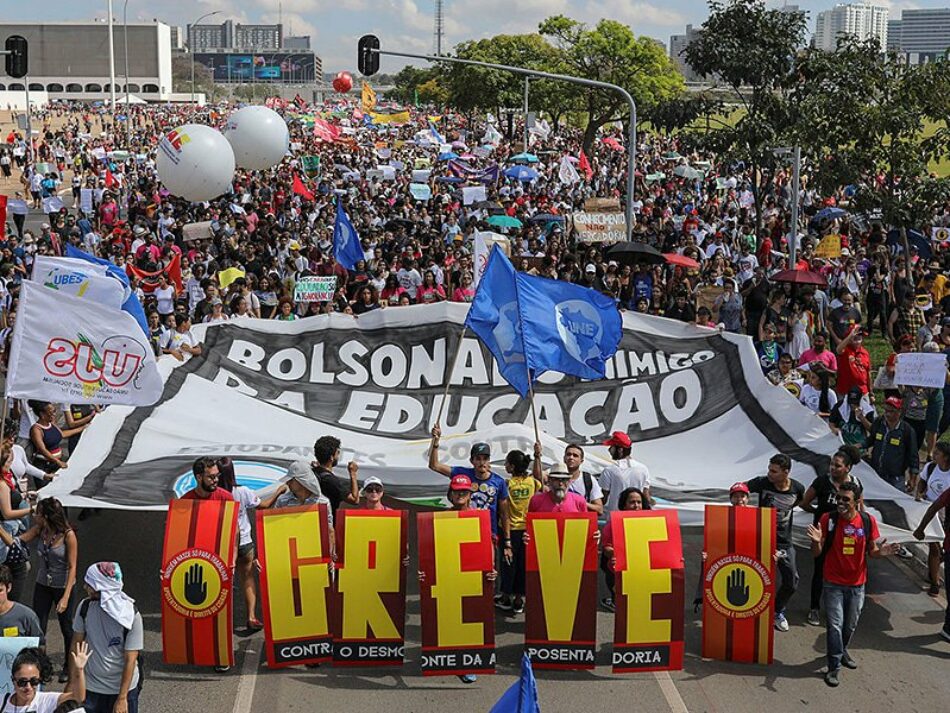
(111, 65)
(796, 155)
(191, 50)
(128, 104)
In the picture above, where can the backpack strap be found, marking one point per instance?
(6, 699)
(866, 524)
(832, 521)
(588, 485)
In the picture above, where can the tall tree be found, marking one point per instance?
(751, 50)
(610, 52)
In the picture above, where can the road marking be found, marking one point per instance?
(248, 680)
(672, 696)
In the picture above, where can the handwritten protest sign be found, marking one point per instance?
(315, 289)
(600, 227)
(919, 369)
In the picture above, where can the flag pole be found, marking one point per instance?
(448, 378)
(534, 412)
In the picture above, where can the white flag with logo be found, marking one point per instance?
(72, 350)
(567, 173)
(79, 278)
(484, 240)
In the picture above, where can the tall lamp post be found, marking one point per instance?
(128, 103)
(191, 51)
(111, 65)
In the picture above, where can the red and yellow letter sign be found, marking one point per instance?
(196, 582)
(370, 595)
(739, 583)
(561, 578)
(458, 625)
(294, 552)
(648, 633)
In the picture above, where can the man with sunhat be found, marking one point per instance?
(625, 473)
(108, 621)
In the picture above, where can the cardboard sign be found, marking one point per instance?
(197, 231)
(458, 613)
(602, 205)
(600, 227)
(560, 629)
(921, 369)
(648, 625)
(315, 289)
(829, 247)
(369, 599)
(706, 296)
(197, 566)
(738, 583)
(473, 194)
(293, 547)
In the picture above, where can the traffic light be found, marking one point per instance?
(367, 60)
(16, 63)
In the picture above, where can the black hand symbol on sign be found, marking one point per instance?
(196, 589)
(737, 591)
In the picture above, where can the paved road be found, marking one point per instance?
(903, 663)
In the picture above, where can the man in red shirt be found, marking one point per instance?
(941, 503)
(845, 538)
(206, 477)
(854, 362)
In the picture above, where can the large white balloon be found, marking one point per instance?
(195, 162)
(258, 136)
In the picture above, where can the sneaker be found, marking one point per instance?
(781, 623)
(222, 669)
(608, 604)
(848, 662)
(503, 603)
(468, 678)
(934, 590)
(518, 606)
(814, 618)
(904, 553)
(945, 634)
(831, 678)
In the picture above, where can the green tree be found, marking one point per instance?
(181, 76)
(752, 51)
(865, 115)
(610, 52)
(407, 81)
(432, 92)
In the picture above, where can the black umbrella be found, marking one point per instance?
(546, 218)
(397, 223)
(630, 253)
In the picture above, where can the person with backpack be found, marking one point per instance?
(112, 626)
(624, 473)
(583, 484)
(845, 539)
(822, 497)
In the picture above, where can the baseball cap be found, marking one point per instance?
(590, 268)
(895, 402)
(739, 487)
(618, 438)
(460, 482)
(559, 470)
(480, 449)
(294, 245)
(854, 394)
(372, 480)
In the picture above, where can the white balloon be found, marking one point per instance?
(259, 137)
(195, 162)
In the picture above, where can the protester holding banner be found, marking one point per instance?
(180, 342)
(934, 480)
(47, 438)
(326, 451)
(625, 473)
(629, 499)
(780, 491)
(522, 487)
(207, 475)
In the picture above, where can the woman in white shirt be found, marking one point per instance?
(32, 668)
(934, 480)
(164, 296)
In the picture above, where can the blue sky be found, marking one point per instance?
(407, 24)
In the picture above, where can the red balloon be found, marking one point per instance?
(343, 82)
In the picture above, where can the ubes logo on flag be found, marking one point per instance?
(561, 582)
(369, 602)
(294, 552)
(648, 632)
(197, 559)
(738, 583)
(458, 617)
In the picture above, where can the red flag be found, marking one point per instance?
(148, 281)
(325, 131)
(111, 182)
(3, 217)
(299, 101)
(301, 189)
(584, 165)
(613, 143)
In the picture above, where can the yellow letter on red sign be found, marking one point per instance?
(295, 582)
(371, 587)
(648, 633)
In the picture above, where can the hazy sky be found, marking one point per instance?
(407, 25)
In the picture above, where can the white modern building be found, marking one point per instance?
(861, 20)
(70, 60)
(678, 44)
(923, 35)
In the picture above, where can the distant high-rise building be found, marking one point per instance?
(894, 32)
(229, 35)
(297, 42)
(924, 34)
(863, 21)
(678, 44)
(178, 38)
(258, 37)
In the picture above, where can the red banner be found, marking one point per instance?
(3, 217)
(369, 599)
(293, 547)
(148, 281)
(738, 583)
(197, 566)
(648, 626)
(561, 585)
(458, 613)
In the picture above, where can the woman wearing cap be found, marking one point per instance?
(372, 492)
(630, 499)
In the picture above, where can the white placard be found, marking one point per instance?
(917, 369)
(473, 194)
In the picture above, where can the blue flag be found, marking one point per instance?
(532, 325)
(435, 134)
(131, 304)
(522, 696)
(346, 243)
